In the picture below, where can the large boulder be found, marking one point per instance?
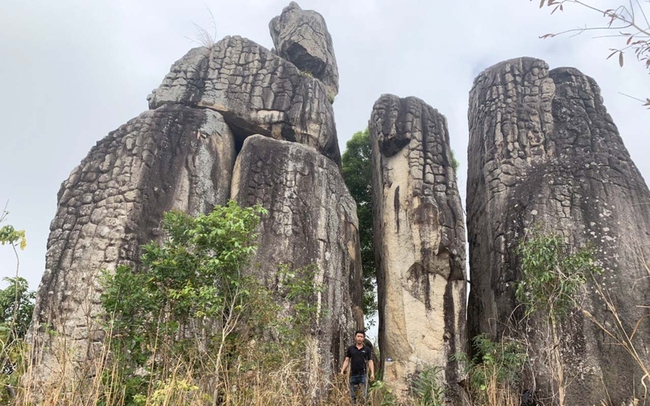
(419, 244)
(174, 157)
(301, 36)
(311, 225)
(545, 157)
(256, 91)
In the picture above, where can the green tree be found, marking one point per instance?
(187, 299)
(357, 176)
(16, 302)
(188, 324)
(16, 306)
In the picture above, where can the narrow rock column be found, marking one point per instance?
(544, 152)
(419, 243)
(311, 222)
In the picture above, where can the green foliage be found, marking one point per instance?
(188, 322)
(357, 175)
(169, 392)
(382, 394)
(9, 235)
(426, 387)
(454, 162)
(13, 354)
(496, 367)
(189, 288)
(16, 306)
(552, 273)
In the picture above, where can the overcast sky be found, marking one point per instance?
(73, 70)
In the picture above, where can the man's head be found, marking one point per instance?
(359, 336)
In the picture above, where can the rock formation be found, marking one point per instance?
(419, 243)
(544, 152)
(302, 38)
(312, 220)
(256, 91)
(174, 157)
(180, 155)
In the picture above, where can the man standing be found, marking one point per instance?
(357, 357)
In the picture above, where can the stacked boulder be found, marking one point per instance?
(230, 121)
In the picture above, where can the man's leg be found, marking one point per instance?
(364, 384)
(364, 388)
(354, 381)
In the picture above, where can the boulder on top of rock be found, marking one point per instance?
(301, 36)
(256, 91)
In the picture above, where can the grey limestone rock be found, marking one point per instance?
(301, 36)
(256, 91)
(312, 220)
(174, 157)
(543, 152)
(419, 243)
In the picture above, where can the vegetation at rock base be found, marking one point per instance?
(188, 328)
(494, 373)
(191, 304)
(16, 307)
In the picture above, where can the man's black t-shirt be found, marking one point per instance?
(358, 358)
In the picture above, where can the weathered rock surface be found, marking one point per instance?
(312, 220)
(301, 36)
(419, 242)
(544, 151)
(180, 155)
(174, 157)
(256, 91)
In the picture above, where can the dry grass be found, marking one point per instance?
(241, 383)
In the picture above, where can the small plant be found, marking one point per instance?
(494, 373)
(426, 388)
(188, 299)
(204, 37)
(381, 394)
(552, 273)
(298, 287)
(454, 162)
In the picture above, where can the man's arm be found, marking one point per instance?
(371, 365)
(345, 365)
